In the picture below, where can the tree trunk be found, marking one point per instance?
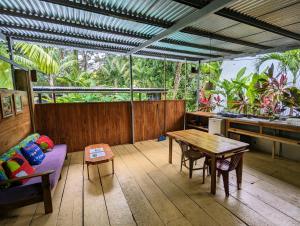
(75, 52)
(177, 78)
(85, 60)
(51, 80)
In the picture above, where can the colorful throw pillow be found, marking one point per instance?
(33, 153)
(16, 149)
(18, 166)
(28, 139)
(3, 176)
(45, 143)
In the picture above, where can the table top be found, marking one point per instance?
(209, 143)
(108, 153)
(202, 113)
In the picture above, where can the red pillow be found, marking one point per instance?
(45, 142)
(18, 166)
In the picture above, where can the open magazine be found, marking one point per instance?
(96, 153)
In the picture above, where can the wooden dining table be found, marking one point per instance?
(213, 145)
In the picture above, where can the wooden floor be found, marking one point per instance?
(146, 190)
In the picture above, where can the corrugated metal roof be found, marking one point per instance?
(131, 22)
(18, 22)
(257, 8)
(160, 9)
(80, 16)
(160, 44)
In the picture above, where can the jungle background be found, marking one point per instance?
(68, 67)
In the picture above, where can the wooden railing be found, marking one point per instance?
(82, 124)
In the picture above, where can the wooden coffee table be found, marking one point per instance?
(109, 156)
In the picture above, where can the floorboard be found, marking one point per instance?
(146, 190)
(118, 210)
(71, 211)
(95, 211)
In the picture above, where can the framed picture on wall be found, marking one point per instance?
(7, 105)
(18, 103)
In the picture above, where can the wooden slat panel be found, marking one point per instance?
(15, 128)
(149, 118)
(82, 124)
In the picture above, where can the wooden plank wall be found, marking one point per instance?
(16, 127)
(149, 118)
(82, 124)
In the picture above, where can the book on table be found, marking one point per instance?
(96, 153)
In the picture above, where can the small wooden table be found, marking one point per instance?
(212, 145)
(109, 156)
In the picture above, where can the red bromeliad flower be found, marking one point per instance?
(283, 80)
(266, 101)
(218, 99)
(204, 100)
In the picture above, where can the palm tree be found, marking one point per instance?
(33, 56)
(114, 72)
(289, 60)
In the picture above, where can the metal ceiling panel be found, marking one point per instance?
(294, 27)
(214, 23)
(160, 9)
(282, 42)
(257, 8)
(186, 48)
(80, 16)
(240, 30)
(283, 13)
(262, 37)
(190, 38)
(14, 21)
(283, 17)
(237, 47)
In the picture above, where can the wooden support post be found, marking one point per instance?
(185, 84)
(131, 99)
(40, 98)
(54, 97)
(198, 86)
(165, 98)
(23, 82)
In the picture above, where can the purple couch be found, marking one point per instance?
(40, 185)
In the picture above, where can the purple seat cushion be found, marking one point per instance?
(54, 160)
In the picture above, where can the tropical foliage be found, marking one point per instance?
(265, 93)
(254, 93)
(288, 61)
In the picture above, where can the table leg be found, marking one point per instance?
(113, 166)
(273, 149)
(280, 150)
(170, 149)
(87, 166)
(239, 173)
(213, 175)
